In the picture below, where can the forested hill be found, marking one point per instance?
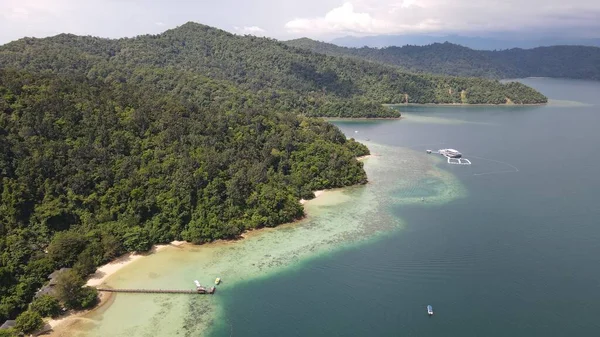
(577, 62)
(89, 171)
(314, 84)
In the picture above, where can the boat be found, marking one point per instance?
(430, 310)
(218, 280)
(198, 285)
(450, 153)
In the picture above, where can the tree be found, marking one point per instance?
(28, 322)
(136, 240)
(112, 247)
(86, 263)
(8, 333)
(46, 306)
(65, 247)
(68, 288)
(88, 297)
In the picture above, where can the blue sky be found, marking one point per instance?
(284, 19)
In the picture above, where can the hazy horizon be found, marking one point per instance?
(323, 20)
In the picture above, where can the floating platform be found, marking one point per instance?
(452, 160)
(459, 161)
(198, 290)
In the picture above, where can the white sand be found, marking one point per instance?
(317, 194)
(107, 270)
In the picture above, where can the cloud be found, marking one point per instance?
(252, 30)
(160, 24)
(369, 17)
(340, 19)
(347, 19)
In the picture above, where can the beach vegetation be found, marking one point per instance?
(28, 322)
(46, 306)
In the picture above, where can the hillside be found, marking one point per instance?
(179, 60)
(449, 59)
(90, 171)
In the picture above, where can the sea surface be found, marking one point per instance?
(507, 246)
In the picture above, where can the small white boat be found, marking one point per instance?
(197, 283)
(218, 280)
(450, 153)
(429, 310)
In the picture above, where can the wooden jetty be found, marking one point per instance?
(197, 291)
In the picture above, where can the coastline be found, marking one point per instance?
(98, 278)
(334, 119)
(55, 327)
(464, 104)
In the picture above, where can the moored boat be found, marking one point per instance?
(218, 280)
(450, 153)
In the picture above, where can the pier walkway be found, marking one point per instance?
(198, 291)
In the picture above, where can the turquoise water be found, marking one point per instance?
(515, 254)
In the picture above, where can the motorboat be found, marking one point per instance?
(429, 310)
(218, 280)
(450, 153)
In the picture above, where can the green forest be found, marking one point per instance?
(181, 60)
(90, 171)
(578, 62)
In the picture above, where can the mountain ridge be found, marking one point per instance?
(473, 42)
(324, 85)
(579, 62)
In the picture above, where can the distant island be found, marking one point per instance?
(111, 146)
(493, 41)
(577, 62)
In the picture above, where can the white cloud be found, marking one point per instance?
(252, 30)
(346, 19)
(340, 19)
(367, 17)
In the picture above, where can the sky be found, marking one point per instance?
(285, 19)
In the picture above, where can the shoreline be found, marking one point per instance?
(464, 104)
(104, 272)
(333, 119)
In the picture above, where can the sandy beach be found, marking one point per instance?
(100, 276)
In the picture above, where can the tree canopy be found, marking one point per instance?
(188, 59)
(46, 306)
(28, 322)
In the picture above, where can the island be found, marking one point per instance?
(577, 62)
(109, 147)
